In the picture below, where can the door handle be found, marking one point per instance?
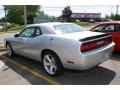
(20, 38)
(27, 41)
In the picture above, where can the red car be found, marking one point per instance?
(112, 27)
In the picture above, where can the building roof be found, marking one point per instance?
(87, 13)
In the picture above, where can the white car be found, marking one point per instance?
(61, 45)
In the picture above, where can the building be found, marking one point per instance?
(42, 19)
(2, 25)
(86, 16)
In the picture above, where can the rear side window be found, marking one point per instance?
(68, 28)
(117, 27)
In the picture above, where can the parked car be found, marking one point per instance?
(112, 27)
(61, 45)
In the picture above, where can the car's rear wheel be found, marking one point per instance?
(52, 64)
(10, 52)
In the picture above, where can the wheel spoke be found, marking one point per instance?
(47, 58)
(47, 64)
(9, 50)
(54, 66)
(52, 69)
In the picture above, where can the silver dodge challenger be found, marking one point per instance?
(61, 45)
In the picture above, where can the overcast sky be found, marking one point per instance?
(61, 2)
(103, 9)
(54, 7)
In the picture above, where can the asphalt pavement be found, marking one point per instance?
(4, 35)
(21, 70)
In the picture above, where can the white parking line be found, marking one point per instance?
(49, 80)
(1, 64)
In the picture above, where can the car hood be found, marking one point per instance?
(79, 35)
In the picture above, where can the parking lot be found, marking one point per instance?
(5, 35)
(21, 70)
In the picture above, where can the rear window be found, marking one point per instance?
(68, 28)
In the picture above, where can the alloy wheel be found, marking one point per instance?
(50, 64)
(9, 50)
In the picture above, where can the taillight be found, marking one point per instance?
(94, 44)
(87, 46)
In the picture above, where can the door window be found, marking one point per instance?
(38, 31)
(28, 32)
(109, 28)
(105, 28)
(99, 28)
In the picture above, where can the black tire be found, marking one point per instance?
(9, 53)
(58, 63)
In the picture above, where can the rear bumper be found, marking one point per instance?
(92, 58)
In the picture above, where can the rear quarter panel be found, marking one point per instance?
(66, 49)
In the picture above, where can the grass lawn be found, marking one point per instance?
(2, 46)
(17, 28)
(83, 23)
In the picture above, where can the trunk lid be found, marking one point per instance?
(84, 35)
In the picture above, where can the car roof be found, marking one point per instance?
(47, 24)
(110, 22)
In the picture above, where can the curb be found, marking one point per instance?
(2, 50)
(10, 32)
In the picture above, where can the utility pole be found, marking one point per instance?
(25, 15)
(5, 10)
(117, 9)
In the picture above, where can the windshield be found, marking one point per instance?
(68, 28)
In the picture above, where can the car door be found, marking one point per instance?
(36, 44)
(113, 29)
(23, 41)
(116, 36)
(106, 28)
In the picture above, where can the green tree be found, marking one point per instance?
(107, 16)
(113, 17)
(2, 19)
(15, 13)
(117, 17)
(66, 14)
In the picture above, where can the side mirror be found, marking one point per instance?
(16, 35)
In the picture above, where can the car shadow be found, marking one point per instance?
(95, 76)
(115, 55)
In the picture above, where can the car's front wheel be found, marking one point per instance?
(10, 52)
(52, 64)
